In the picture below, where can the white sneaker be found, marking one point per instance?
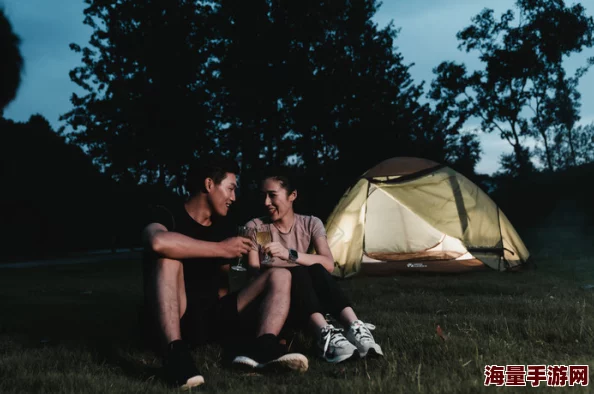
(266, 353)
(287, 362)
(334, 347)
(359, 334)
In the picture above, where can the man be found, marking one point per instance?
(185, 248)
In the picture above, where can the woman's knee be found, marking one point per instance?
(318, 269)
(299, 274)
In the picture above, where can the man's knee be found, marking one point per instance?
(165, 266)
(169, 273)
(280, 277)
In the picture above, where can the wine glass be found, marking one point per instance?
(264, 237)
(247, 232)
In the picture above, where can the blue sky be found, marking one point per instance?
(427, 37)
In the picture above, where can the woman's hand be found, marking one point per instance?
(275, 249)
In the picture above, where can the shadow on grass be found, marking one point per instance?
(104, 331)
(130, 358)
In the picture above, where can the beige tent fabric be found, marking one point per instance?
(390, 227)
(514, 249)
(399, 166)
(345, 229)
(453, 205)
(399, 217)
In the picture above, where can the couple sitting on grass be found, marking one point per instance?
(187, 249)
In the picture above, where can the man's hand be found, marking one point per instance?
(235, 247)
(275, 249)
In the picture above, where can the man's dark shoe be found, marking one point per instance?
(266, 353)
(180, 369)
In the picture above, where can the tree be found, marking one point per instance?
(571, 147)
(567, 141)
(523, 71)
(267, 82)
(147, 110)
(56, 199)
(320, 83)
(583, 144)
(11, 64)
(464, 152)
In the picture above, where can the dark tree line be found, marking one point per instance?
(55, 200)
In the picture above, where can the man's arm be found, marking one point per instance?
(172, 245)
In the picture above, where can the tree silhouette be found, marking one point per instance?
(319, 84)
(464, 153)
(11, 64)
(522, 71)
(269, 82)
(565, 141)
(571, 147)
(51, 184)
(264, 81)
(146, 112)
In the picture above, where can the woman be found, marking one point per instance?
(313, 290)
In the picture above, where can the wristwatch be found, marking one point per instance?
(293, 255)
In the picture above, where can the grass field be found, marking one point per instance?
(73, 329)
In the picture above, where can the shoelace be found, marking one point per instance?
(362, 331)
(333, 336)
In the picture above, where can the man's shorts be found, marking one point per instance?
(219, 322)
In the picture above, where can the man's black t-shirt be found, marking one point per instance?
(202, 276)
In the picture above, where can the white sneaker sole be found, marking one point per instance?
(194, 381)
(292, 361)
(375, 350)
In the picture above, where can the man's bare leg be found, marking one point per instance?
(276, 283)
(171, 303)
(170, 293)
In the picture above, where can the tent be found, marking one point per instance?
(412, 214)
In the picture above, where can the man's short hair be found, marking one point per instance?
(211, 166)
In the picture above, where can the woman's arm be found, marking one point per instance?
(254, 259)
(323, 256)
(254, 262)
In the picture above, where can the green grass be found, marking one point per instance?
(73, 329)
